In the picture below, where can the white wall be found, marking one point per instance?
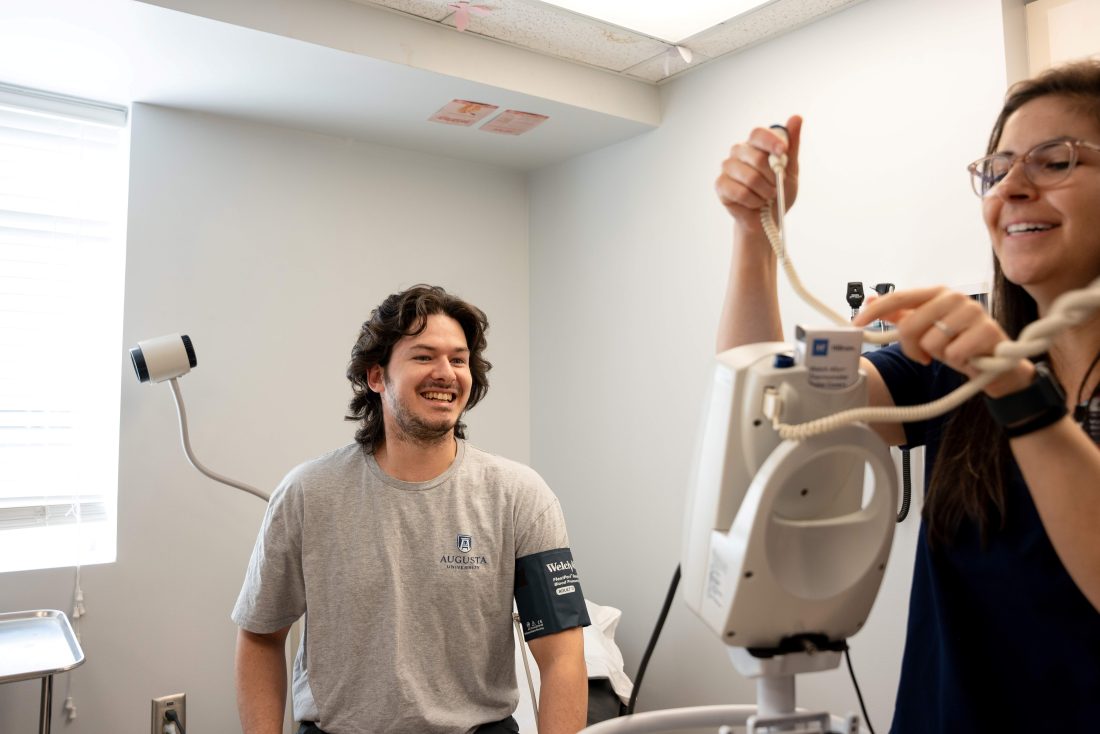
(268, 247)
(629, 251)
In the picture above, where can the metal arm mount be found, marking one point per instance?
(186, 440)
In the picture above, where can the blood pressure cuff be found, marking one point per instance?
(548, 593)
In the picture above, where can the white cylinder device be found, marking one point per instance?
(163, 357)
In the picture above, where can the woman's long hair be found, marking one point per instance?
(968, 480)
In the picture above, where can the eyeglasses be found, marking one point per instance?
(1044, 165)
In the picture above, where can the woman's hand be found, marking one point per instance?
(952, 328)
(747, 183)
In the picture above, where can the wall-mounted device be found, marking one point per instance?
(163, 358)
(854, 296)
(166, 358)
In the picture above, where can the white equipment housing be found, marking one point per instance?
(785, 543)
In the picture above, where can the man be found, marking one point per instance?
(404, 550)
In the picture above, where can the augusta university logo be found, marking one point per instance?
(463, 560)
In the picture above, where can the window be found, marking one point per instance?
(63, 165)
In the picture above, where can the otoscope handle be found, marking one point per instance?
(779, 161)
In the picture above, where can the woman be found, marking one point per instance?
(1003, 630)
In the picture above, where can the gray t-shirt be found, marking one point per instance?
(408, 586)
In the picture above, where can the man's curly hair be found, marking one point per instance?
(406, 314)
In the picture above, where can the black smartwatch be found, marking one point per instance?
(1036, 406)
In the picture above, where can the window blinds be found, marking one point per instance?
(62, 212)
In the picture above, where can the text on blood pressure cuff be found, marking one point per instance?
(548, 593)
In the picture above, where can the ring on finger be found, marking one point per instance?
(942, 326)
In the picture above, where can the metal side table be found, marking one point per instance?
(38, 644)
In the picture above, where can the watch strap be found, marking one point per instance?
(1051, 415)
(1042, 400)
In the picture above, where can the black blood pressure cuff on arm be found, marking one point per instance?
(548, 593)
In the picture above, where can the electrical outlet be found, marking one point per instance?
(161, 706)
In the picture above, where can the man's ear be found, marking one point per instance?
(376, 378)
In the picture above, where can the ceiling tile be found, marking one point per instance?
(435, 10)
(551, 30)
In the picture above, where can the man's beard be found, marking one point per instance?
(412, 428)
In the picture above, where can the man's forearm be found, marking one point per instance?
(563, 698)
(261, 681)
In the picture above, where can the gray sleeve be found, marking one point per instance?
(273, 595)
(540, 524)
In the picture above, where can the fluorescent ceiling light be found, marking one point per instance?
(668, 20)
